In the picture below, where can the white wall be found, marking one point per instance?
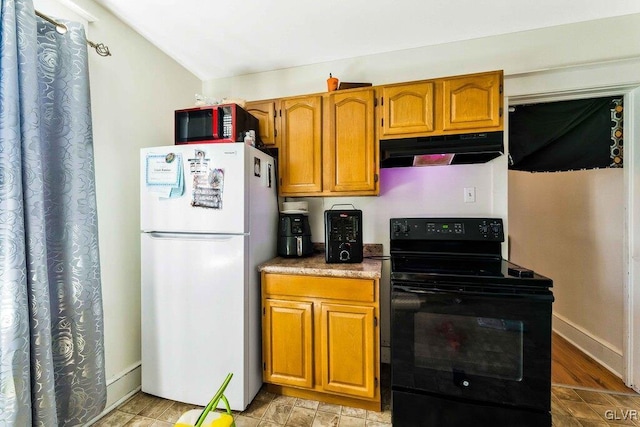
(517, 54)
(570, 226)
(133, 95)
(568, 58)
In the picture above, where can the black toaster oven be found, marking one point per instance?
(343, 236)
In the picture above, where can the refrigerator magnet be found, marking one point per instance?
(199, 164)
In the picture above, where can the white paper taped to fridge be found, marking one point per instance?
(208, 189)
(164, 174)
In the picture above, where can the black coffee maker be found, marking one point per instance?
(294, 235)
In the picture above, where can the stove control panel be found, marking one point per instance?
(472, 229)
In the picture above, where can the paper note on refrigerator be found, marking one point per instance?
(165, 174)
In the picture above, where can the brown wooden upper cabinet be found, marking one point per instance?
(300, 152)
(450, 105)
(265, 112)
(328, 145)
(472, 102)
(329, 142)
(407, 108)
(350, 145)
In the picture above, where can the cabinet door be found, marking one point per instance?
(301, 146)
(407, 109)
(265, 112)
(347, 349)
(473, 101)
(352, 164)
(287, 335)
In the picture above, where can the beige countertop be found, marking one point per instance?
(315, 265)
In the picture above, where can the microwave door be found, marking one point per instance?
(181, 127)
(193, 125)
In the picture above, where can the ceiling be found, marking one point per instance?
(215, 39)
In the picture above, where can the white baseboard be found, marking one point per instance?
(601, 351)
(121, 387)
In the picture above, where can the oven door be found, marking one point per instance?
(489, 345)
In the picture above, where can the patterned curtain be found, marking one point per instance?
(51, 321)
(567, 135)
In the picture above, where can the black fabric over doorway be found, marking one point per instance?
(566, 135)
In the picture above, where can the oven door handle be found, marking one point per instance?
(411, 290)
(414, 299)
(434, 291)
(463, 292)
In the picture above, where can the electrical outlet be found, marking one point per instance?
(470, 194)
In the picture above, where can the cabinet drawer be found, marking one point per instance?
(320, 287)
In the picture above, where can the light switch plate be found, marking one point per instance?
(470, 194)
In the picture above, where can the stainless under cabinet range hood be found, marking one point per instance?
(441, 150)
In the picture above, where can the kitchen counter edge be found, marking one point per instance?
(315, 265)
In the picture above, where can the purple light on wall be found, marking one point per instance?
(412, 182)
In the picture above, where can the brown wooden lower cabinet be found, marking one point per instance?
(320, 338)
(289, 332)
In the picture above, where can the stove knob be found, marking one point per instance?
(397, 227)
(484, 229)
(495, 228)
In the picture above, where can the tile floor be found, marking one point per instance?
(593, 408)
(266, 410)
(569, 407)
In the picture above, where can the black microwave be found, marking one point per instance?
(213, 123)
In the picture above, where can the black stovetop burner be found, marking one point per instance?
(467, 250)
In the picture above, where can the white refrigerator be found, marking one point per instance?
(208, 217)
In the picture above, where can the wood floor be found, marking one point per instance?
(572, 367)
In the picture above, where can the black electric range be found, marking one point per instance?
(470, 331)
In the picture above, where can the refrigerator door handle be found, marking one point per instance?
(191, 236)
